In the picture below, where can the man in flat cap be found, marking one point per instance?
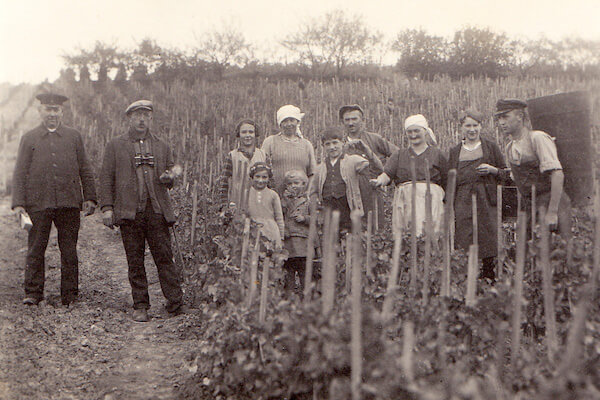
(134, 182)
(51, 170)
(533, 160)
(363, 143)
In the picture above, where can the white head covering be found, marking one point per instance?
(419, 120)
(290, 111)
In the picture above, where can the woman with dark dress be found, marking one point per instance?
(477, 161)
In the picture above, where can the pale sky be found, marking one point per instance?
(35, 33)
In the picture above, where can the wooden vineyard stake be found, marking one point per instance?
(194, 214)
(518, 288)
(499, 234)
(356, 335)
(533, 211)
(549, 313)
(428, 234)
(596, 253)
(210, 178)
(472, 276)
(245, 240)
(310, 251)
(264, 291)
(253, 271)
(445, 290)
(376, 208)
(573, 355)
(185, 175)
(413, 228)
(369, 243)
(474, 218)
(348, 262)
(329, 260)
(204, 154)
(408, 344)
(390, 293)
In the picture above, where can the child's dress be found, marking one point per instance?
(264, 206)
(296, 233)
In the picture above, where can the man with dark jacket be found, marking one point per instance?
(51, 169)
(134, 182)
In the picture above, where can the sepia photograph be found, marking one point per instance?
(299, 200)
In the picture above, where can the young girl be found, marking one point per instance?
(264, 205)
(295, 205)
(246, 154)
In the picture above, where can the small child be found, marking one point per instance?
(264, 205)
(295, 205)
(336, 179)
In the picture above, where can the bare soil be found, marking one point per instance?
(92, 349)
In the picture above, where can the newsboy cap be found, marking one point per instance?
(51, 99)
(505, 105)
(350, 107)
(139, 105)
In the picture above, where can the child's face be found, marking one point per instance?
(260, 180)
(247, 135)
(333, 147)
(297, 185)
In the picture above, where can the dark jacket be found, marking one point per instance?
(51, 169)
(293, 205)
(491, 155)
(118, 180)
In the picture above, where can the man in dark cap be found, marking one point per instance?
(134, 182)
(533, 160)
(51, 169)
(363, 143)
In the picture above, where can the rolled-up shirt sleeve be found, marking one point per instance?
(545, 148)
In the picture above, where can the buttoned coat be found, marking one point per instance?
(51, 170)
(118, 179)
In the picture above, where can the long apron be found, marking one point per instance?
(467, 183)
(402, 207)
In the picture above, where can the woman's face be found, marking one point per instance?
(289, 126)
(247, 135)
(260, 179)
(471, 129)
(416, 135)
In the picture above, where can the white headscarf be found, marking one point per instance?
(419, 120)
(290, 111)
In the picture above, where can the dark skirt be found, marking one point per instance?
(466, 184)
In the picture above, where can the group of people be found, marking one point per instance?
(276, 184)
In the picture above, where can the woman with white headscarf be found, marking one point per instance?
(289, 150)
(422, 148)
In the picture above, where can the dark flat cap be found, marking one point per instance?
(350, 107)
(139, 105)
(51, 99)
(505, 105)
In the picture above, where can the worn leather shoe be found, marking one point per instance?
(182, 309)
(140, 315)
(31, 301)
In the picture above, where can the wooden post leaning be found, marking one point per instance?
(369, 243)
(413, 228)
(445, 286)
(264, 291)
(329, 261)
(310, 251)
(356, 335)
(194, 214)
(499, 233)
(428, 234)
(253, 284)
(518, 288)
(549, 313)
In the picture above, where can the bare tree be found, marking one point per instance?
(333, 41)
(223, 48)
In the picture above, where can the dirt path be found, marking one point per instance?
(92, 350)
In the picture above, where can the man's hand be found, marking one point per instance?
(166, 178)
(299, 218)
(486, 169)
(108, 219)
(89, 207)
(18, 210)
(382, 180)
(551, 219)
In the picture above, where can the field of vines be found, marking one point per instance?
(385, 334)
